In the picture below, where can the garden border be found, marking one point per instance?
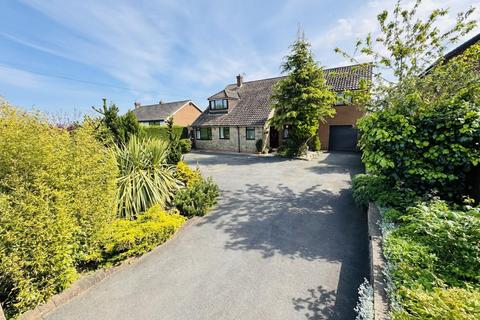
(377, 264)
(85, 282)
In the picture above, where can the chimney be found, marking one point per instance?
(239, 80)
(161, 102)
(137, 104)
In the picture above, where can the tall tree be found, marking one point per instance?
(406, 45)
(120, 127)
(303, 99)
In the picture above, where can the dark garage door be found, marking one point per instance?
(342, 138)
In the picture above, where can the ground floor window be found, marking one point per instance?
(156, 122)
(203, 134)
(224, 133)
(250, 133)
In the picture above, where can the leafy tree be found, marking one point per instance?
(174, 154)
(303, 99)
(405, 47)
(120, 127)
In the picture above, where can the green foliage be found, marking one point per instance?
(259, 145)
(187, 175)
(120, 128)
(161, 132)
(56, 194)
(198, 196)
(433, 255)
(314, 143)
(452, 235)
(92, 181)
(302, 100)
(440, 303)
(128, 238)
(380, 190)
(145, 178)
(408, 42)
(429, 141)
(185, 145)
(174, 154)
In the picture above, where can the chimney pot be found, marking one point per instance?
(137, 104)
(239, 80)
(161, 102)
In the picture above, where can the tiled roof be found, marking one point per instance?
(159, 111)
(253, 107)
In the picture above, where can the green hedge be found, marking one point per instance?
(128, 238)
(160, 132)
(432, 250)
(57, 192)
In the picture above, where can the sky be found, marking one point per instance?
(62, 57)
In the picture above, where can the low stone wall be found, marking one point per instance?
(377, 264)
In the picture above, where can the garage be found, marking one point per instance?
(342, 138)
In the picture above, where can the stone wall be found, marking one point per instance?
(232, 144)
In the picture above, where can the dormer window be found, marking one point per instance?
(219, 104)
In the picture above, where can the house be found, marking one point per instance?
(183, 113)
(238, 115)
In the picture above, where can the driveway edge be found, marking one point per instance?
(87, 281)
(377, 265)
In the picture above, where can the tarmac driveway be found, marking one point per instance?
(285, 242)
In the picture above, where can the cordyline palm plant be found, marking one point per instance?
(145, 177)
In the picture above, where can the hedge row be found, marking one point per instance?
(160, 132)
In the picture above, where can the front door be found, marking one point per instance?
(274, 142)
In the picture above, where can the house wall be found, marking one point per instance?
(346, 115)
(247, 146)
(186, 115)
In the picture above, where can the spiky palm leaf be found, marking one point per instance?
(145, 177)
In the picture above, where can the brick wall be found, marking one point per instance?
(346, 115)
(247, 146)
(186, 115)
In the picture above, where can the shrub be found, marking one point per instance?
(146, 178)
(93, 183)
(440, 303)
(380, 190)
(452, 235)
(314, 143)
(128, 238)
(427, 138)
(56, 194)
(186, 175)
(259, 145)
(185, 145)
(197, 198)
(161, 132)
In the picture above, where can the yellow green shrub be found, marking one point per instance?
(451, 303)
(188, 175)
(56, 195)
(93, 173)
(127, 238)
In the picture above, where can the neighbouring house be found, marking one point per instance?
(183, 113)
(238, 115)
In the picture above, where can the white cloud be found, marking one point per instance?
(18, 78)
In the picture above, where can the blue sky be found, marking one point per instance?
(168, 50)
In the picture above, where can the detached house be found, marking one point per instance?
(183, 113)
(238, 115)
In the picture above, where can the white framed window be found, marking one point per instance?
(203, 133)
(224, 133)
(286, 131)
(219, 104)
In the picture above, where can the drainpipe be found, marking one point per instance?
(238, 136)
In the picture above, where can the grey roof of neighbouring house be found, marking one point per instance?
(253, 106)
(159, 111)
